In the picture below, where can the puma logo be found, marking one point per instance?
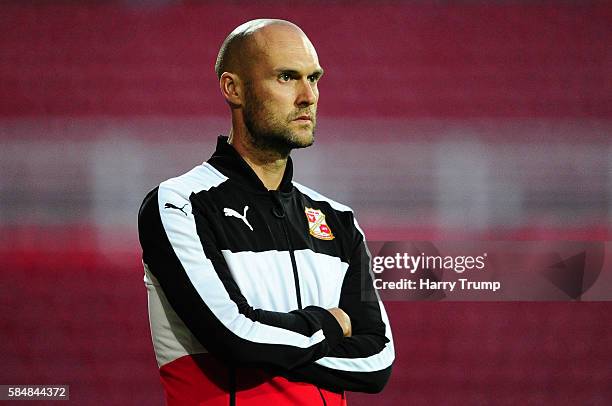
(171, 206)
(234, 213)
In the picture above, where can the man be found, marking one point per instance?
(255, 281)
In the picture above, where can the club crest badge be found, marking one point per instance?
(316, 224)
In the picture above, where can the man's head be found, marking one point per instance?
(268, 72)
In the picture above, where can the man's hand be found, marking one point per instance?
(343, 319)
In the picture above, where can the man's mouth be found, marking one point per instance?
(303, 117)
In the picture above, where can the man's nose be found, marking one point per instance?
(307, 93)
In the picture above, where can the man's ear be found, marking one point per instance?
(231, 88)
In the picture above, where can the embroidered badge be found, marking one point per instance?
(316, 224)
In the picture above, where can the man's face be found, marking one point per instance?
(281, 94)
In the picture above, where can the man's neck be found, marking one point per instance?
(269, 166)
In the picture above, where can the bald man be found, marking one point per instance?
(259, 288)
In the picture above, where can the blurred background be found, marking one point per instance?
(437, 120)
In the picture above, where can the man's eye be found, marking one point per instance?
(285, 77)
(313, 78)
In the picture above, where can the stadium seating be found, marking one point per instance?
(530, 83)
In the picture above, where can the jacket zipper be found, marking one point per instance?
(232, 385)
(282, 217)
(294, 265)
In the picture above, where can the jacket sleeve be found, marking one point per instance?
(195, 278)
(362, 362)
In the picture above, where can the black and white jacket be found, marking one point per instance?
(247, 275)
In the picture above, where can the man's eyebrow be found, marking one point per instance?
(316, 72)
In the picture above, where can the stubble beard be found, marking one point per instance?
(271, 134)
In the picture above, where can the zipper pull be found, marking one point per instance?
(278, 210)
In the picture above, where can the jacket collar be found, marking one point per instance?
(229, 162)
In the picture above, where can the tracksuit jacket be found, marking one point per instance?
(239, 279)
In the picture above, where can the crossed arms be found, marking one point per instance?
(312, 344)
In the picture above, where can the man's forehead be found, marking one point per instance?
(285, 45)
